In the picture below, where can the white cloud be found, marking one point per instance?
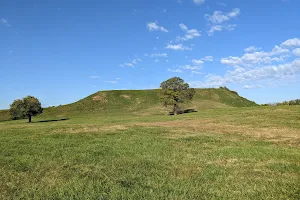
(256, 67)
(194, 69)
(175, 70)
(234, 13)
(132, 63)
(189, 67)
(278, 54)
(197, 62)
(208, 58)
(156, 61)
(128, 65)
(241, 75)
(177, 47)
(156, 55)
(251, 86)
(231, 60)
(199, 2)
(214, 28)
(296, 52)
(196, 72)
(219, 17)
(221, 3)
(152, 26)
(189, 34)
(251, 49)
(4, 22)
(183, 27)
(295, 42)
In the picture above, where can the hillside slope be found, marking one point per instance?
(147, 102)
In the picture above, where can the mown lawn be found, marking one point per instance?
(228, 153)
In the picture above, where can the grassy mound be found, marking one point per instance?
(142, 102)
(146, 102)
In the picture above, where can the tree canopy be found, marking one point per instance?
(26, 107)
(174, 91)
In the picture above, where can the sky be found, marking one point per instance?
(61, 51)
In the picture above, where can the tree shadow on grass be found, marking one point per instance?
(52, 120)
(184, 111)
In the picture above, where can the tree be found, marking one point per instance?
(174, 91)
(26, 107)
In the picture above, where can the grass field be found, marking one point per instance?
(221, 153)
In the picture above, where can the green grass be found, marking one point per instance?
(222, 153)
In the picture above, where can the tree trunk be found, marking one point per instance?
(29, 118)
(175, 109)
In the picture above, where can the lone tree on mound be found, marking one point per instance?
(174, 91)
(26, 107)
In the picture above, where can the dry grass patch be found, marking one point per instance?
(125, 96)
(101, 97)
(192, 128)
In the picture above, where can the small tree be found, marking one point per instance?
(174, 91)
(27, 107)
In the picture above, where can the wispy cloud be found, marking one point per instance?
(251, 86)
(132, 63)
(4, 22)
(177, 47)
(219, 17)
(175, 70)
(218, 20)
(214, 28)
(221, 3)
(199, 2)
(189, 34)
(251, 49)
(197, 62)
(208, 58)
(152, 26)
(157, 55)
(193, 68)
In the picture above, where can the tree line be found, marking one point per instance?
(285, 103)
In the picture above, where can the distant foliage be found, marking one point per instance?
(285, 103)
(26, 107)
(290, 103)
(175, 91)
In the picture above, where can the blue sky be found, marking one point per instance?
(62, 51)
